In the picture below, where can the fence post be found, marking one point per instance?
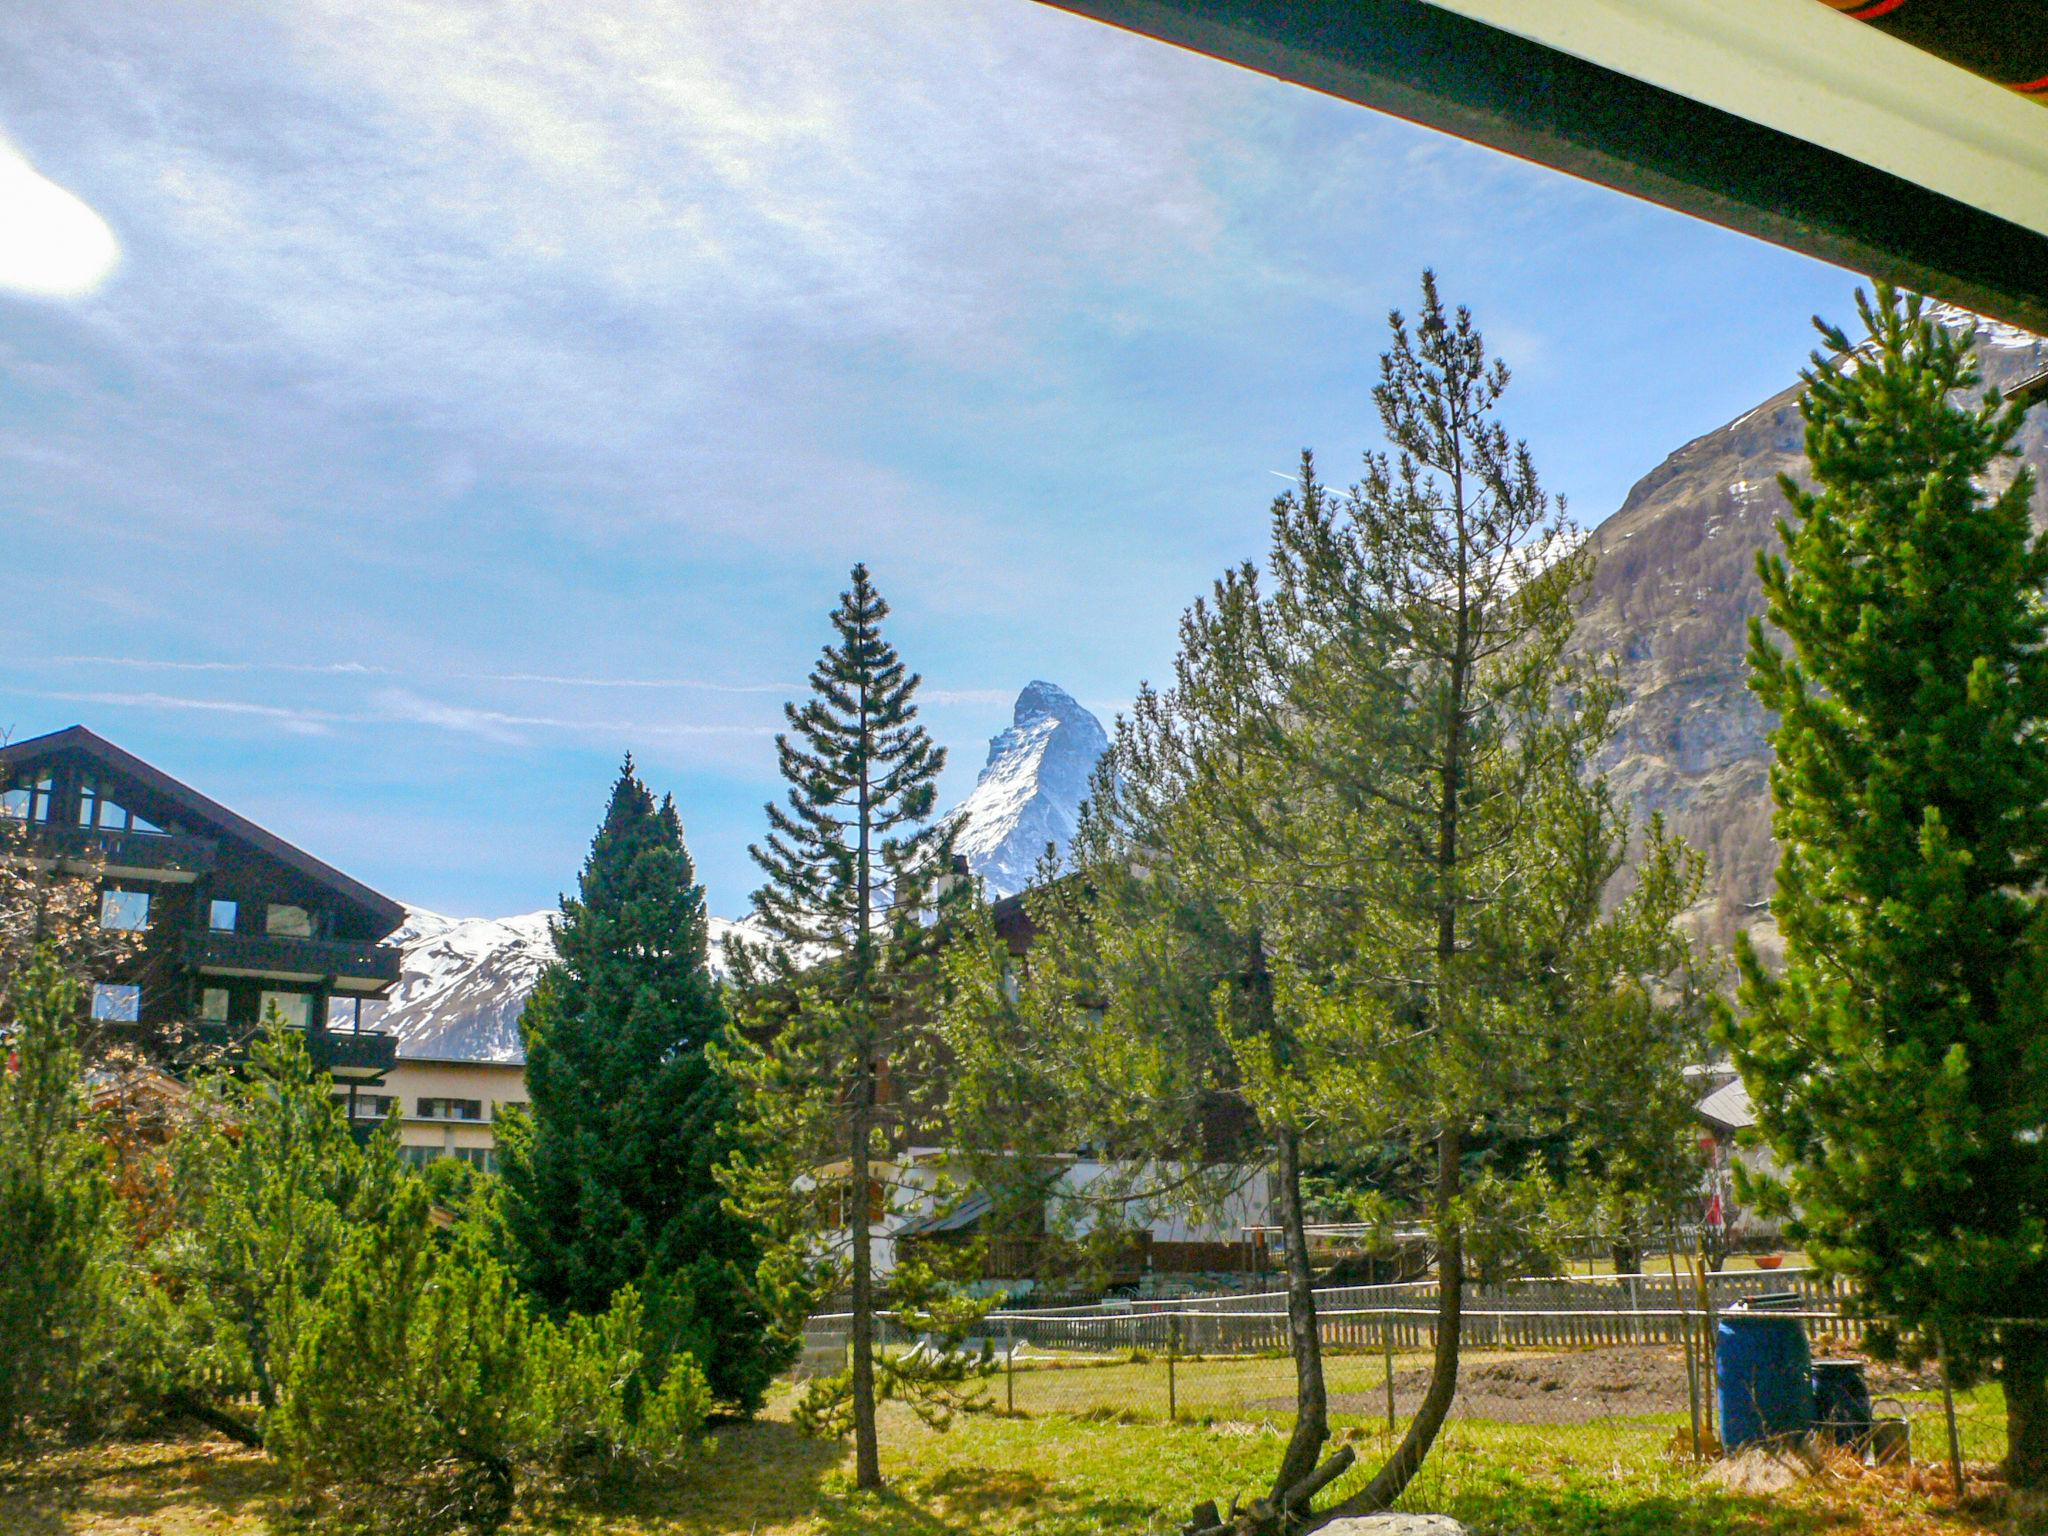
(1010, 1376)
(1172, 1386)
(1948, 1412)
(1387, 1352)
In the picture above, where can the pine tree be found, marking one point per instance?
(610, 1174)
(1351, 868)
(55, 1205)
(1899, 1065)
(832, 1060)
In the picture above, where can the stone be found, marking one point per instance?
(1393, 1525)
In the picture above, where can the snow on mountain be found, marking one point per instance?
(1030, 792)
(464, 980)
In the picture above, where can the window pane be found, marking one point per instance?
(14, 804)
(222, 917)
(118, 1002)
(124, 911)
(213, 1005)
(88, 798)
(293, 1007)
(287, 922)
(142, 824)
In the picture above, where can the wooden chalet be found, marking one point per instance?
(233, 920)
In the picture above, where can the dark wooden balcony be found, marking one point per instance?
(364, 1055)
(369, 1054)
(165, 853)
(269, 954)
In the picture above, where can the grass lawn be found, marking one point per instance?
(1051, 1476)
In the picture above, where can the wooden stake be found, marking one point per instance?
(1387, 1349)
(1948, 1412)
(1692, 1366)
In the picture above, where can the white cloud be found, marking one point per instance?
(52, 244)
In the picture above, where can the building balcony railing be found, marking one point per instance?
(345, 1054)
(164, 852)
(366, 1054)
(269, 954)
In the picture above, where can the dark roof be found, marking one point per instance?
(1524, 91)
(78, 739)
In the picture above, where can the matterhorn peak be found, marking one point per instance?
(1030, 791)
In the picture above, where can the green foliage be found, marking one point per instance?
(405, 1379)
(268, 1182)
(833, 1059)
(56, 1221)
(609, 1176)
(1899, 1066)
(422, 1392)
(1351, 871)
(587, 1416)
(942, 1373)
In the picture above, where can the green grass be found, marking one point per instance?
(1055, 1475)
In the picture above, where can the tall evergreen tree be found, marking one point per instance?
(1899, 1065)
(833, 1060)
(610, 1176)
(1352, 870)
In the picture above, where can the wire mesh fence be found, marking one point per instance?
(1616, 1368)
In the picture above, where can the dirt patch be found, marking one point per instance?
(1578, 1386)
(1574, 1387)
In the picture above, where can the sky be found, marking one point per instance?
(409, 407)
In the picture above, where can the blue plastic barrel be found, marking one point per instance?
(1763, 1370)
(1841, 1400)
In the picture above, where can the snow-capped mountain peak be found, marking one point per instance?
(1030, 791)
(464, 981)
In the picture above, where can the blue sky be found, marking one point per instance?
(406, 407)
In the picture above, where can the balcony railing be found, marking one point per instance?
(371, 1053)
(269, 954)
(169, 852)
(368, 1054)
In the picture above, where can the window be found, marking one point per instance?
(124, 911)
(213, 1005)
(480, 1158)
(116, 1002)
(451, 1109)
(28, 800)
(221, 916)
(295, 1008)
(369, 1106)
(345, 1013)
(288, 922)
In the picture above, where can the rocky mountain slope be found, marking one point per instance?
(464, 980)
(1672, 599)
(1031, 788)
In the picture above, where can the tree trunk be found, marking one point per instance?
(2025, 1379)
(1393, 1478)
(1311, 1400)
(216, 1418)
(867, 1456)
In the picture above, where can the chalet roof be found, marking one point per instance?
(1728, 1106)
(202, 809)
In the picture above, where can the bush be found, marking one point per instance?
(596, 1408)
(422, 1391)
(56, 1228)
